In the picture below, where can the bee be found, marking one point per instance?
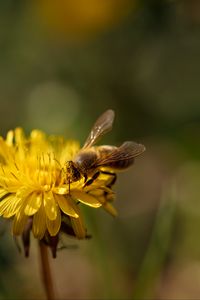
(93, 160)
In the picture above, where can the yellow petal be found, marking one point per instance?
(23, 192)
(19, 223)
(5, 151)
(110, 209)
(9, 206)
(33, 204)
(20, 141)
(9, 138)
(100, 191)
(67, 205)
(105, 198)
(39, 223)
(19, 135)
(78, 226)
(61, 190)
(3, 193)
(53, 226)
(85, 198)
(50, 205)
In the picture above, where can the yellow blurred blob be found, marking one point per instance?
(78, 19)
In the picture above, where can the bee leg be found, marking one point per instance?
(111, 174)
(85, 178)
(110, 184)
(94, 177)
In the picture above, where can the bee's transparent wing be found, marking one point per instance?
(102, 125)
(127, 150)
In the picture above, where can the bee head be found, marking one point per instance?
(72, 172)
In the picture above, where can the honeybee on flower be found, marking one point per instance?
(44, 179)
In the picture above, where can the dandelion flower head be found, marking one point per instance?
(34, 192)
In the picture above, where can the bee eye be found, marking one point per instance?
(72, 172)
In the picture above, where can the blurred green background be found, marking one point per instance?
(64, 62)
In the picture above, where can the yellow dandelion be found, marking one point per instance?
(45, 179)
(33, 185)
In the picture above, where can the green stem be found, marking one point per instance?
(159, 245)
(46, 272)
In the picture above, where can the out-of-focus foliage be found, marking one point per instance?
(78, 19)
(62, 64)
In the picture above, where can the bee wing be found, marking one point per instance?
(127, 150)
(102, 125)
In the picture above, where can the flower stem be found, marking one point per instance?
(46, 272)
